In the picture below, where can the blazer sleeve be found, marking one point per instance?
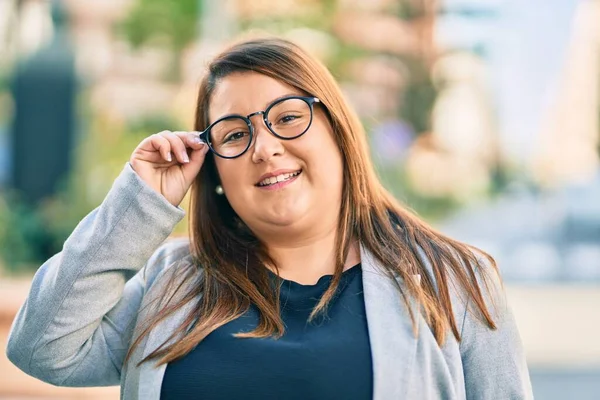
(75, 326)
(493, 360)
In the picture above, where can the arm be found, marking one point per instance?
(493, 360)
(75, 326)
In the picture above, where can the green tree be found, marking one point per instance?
(174, 22)
(171, 24)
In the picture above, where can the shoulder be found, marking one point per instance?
(484, 276)
(169, 254)
(489, 281)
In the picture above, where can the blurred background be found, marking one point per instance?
(483, 116)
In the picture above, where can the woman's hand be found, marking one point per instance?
(169, 161)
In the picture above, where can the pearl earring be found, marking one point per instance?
(219, 189)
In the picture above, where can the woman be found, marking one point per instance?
(302, 277)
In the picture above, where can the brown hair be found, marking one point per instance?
(232, 274)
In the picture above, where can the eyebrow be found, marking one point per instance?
(264, 107)
(282, 97)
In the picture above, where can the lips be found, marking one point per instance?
(279, 178)
(279, 175)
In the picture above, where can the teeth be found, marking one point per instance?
(278, 178)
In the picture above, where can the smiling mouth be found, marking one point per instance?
(279, 178)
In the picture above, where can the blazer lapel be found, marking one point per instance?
(151, 377)
(393, 343)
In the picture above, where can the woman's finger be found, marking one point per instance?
(178, 147)
(162, 145)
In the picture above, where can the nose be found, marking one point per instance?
(266, 145)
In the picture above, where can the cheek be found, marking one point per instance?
(327, 159)
(332, 172)
(229, 174)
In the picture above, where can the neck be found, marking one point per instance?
(306, 260)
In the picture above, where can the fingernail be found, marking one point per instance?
(197, 140)
(185, 157)
(169, 158)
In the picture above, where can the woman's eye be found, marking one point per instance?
(288, 118)
(234, 136)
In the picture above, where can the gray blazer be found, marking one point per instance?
(86, 303)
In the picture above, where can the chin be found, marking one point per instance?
(286, 220)
(284, 217)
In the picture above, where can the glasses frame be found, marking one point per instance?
(310, 100)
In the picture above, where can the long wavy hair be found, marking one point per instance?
(226, 273)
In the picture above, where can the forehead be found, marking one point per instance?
(246, 92)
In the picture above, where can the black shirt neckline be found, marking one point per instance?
(325, 279)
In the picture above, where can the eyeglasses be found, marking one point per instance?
(287, 118)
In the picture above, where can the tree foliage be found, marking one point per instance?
(174, 23)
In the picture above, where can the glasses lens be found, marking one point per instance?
(290, 118)
(230, 137)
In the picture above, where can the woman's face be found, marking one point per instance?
(309, 201)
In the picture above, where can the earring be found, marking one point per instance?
(219, 190)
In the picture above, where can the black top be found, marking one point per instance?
(329, 358)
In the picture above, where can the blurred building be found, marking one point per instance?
(461, 151)
(569, 138)
(457, 158)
